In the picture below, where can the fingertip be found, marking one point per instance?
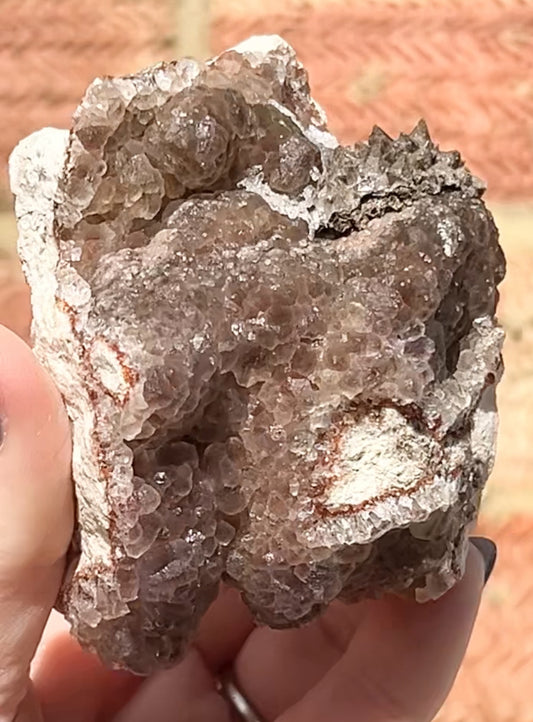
(27, 392)
(488, 551)
(36, 499)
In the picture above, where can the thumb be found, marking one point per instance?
(36, 516)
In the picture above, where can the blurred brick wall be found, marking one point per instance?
(465, 65)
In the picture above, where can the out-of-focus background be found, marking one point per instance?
(464, 65)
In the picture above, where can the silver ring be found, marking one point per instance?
(229, 689)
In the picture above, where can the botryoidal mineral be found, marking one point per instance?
(279, 354)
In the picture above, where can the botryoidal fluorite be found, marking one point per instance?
(279, 354)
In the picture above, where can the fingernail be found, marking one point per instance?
(488, 550)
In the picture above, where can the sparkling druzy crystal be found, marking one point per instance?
(279, 354)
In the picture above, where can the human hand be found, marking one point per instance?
(386, 661)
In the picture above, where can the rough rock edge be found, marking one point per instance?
(35, 167)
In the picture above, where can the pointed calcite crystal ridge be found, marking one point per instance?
(279, 354)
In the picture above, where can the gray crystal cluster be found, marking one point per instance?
(279, 354)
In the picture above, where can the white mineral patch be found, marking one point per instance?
(35, 166)
(376, 457)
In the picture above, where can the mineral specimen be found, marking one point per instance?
(279, 354)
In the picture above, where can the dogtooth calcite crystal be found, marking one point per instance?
(278, 354)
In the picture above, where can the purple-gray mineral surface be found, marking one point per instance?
(279, 354)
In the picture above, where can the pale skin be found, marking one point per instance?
(386, 661)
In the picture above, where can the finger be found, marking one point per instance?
(36, 511)
(402, 660)
(224, 629)
(277, 668)
(15, 308)
(187, 692)
(74, 685)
